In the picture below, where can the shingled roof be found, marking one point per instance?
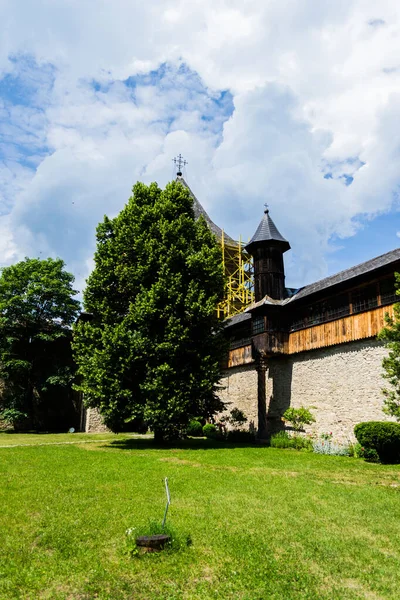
(199, 210)
(239, 318)
(361, 269)
(267, 231)
(328, 282)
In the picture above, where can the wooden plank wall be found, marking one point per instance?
(354, 327)
(348, 329)
(240, 356)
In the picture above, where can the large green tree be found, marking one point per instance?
(37, 309)
(153, 347)
(391, 363)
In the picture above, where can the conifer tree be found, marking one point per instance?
(153, 347)
(391, 364)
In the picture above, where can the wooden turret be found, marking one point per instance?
(267, 247)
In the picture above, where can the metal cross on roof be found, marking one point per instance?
(179, 163)
(266, 208)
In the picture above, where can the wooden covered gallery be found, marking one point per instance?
(315, 346)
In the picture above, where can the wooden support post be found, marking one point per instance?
(262, 365)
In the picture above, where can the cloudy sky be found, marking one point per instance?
(291, 102)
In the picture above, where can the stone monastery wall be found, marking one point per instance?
(94, 422)
(342, 385)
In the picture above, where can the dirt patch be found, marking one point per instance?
(180, 461)
(353, 584)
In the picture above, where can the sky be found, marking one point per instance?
(294, 103)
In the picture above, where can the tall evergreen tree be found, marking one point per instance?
(37, 309)
(391, 363)
(153, 347)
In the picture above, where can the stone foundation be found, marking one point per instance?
(342, 386)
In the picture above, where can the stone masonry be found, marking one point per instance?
(94, 422)
(342, 386)
(240, 390)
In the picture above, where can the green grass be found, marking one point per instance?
(265, 523)
(42, 439)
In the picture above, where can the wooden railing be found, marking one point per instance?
(348, 329)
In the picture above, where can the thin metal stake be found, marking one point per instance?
(168, 502)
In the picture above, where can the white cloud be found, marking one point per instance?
(315, 89)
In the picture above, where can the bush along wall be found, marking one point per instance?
(195, 428)
(379, 440)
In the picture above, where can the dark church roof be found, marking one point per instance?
(361, 269)
(267, 231)
(235, 319)
(328, 282)
(199, 210)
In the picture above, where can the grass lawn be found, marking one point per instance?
(265, 523)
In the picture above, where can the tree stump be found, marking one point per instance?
(152, 543)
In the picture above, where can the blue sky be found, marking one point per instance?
(282, 102)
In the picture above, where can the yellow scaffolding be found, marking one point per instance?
(238, 268)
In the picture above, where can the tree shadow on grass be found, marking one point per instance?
(188, 444)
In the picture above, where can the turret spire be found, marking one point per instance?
(267, 231)
(267, 247)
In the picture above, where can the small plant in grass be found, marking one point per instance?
(298, 417)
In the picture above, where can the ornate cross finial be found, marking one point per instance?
(179, 163)
(266, 208)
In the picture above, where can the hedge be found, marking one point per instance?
(383, 437)
(210, 431)
(195, 428)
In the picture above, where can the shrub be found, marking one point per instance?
(283, 440)
(354, 450)
(369, 454)
(382, 437)
(195, 428)
(210, 431)
(298, 417)
(239, 436)
(13, 417)
(300, 442)
(280, 440)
